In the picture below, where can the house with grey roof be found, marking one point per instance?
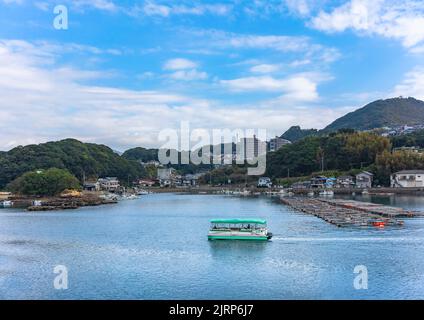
(407, 179)
(364, 180)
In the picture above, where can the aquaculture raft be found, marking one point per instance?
(349, 213)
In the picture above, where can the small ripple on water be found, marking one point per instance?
(350, 239)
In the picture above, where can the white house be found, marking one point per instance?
(110, 184)
(407, 179)
(364, 179)
(264, 182)
(344, 182)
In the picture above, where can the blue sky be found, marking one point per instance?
(124, 70)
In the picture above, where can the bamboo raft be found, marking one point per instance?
(348, 213)
(379, 209)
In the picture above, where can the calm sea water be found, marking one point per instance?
(156, 248)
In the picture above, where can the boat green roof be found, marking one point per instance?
(239, 221)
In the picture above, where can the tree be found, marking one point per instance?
(83, 160)
(50, 182)
(342, 151)
(388, 163)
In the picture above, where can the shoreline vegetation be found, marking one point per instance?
(60, 202)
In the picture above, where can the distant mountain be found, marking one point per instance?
(382, 113)
(81, 159)
(295, 133)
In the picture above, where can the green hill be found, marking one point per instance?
(141, 154)
(91, 160)
(295, 133)
(382, 113)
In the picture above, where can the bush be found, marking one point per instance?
(49, 182)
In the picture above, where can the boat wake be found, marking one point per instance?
(350, 239)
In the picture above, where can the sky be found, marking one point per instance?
(122, 71)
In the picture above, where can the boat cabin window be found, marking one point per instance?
(237, 226)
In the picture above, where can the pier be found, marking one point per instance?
(345, 213)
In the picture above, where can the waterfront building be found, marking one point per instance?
(318, 182)
(110, 184)
(91, 186)
(277, 143)
(5, 195)
(407, 179)
(264, 182)
(345, 182)
(301, 185)
(166, 176)
(364, 179)
(146, 182)
(190, 180)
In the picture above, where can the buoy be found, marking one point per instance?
(379, 224)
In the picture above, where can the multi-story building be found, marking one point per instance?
(253, 147)
(276, 143)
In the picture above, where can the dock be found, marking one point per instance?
(345, 213)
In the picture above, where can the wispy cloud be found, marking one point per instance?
(189, 75)
(412, 85)
(222, 40)
(104, 5)
(179, 64)
(170, 8)
(265, 68)
(42, 101)
(294, 88)
(401, 20)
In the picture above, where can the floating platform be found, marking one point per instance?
(344, 213)
(379, 209)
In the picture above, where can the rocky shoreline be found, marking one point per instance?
(60, 203)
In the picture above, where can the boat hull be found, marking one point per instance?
(238, 236)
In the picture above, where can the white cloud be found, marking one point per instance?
(153, 9)
(104, 5)
(417, 50)
(400, 20)
(165, 9)
(412, 85)
(298, 88)
(44, 6)
(279, 43)
(300, 7)
(299, 63)
(217, 39)
(42, 101)
(12, 1)
(265, 68)
(179, 64)
(189, 75)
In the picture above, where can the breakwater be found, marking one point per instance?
(349, 213)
